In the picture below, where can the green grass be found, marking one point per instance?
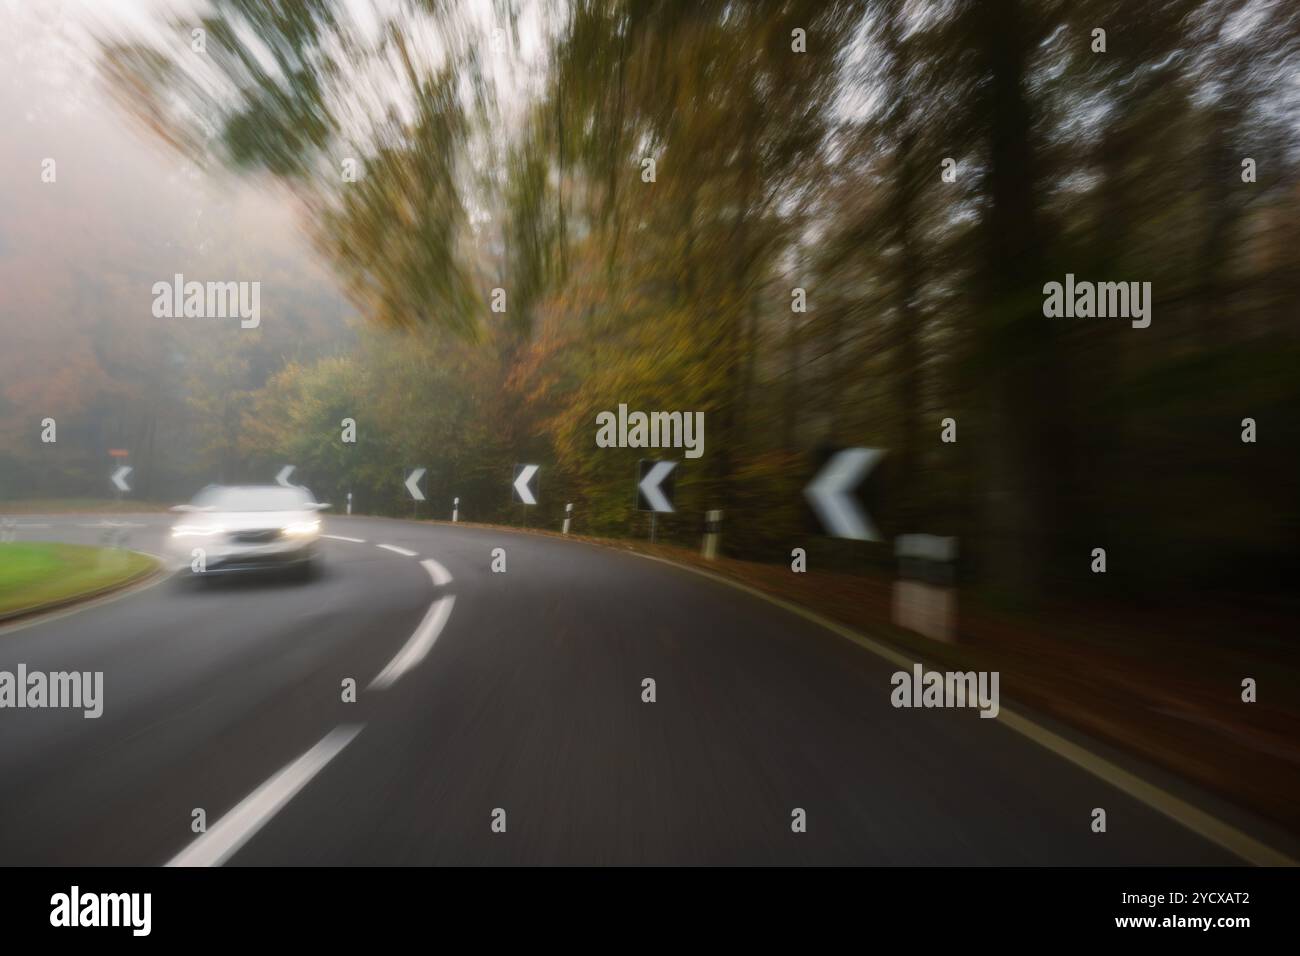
(35, 574)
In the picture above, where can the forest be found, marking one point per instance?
(820, 223)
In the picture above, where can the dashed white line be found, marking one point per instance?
(436, 571)
(418, 645)
(343, 537)
(238, 826)
(396, 550)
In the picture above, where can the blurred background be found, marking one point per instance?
(796, 146)
(501, 146)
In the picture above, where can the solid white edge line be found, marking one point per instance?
(418, 645)
(437, 572)
(340, 537)
(256, 810)
(396, 550)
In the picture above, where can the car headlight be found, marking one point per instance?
(301, 529)
(197, 530)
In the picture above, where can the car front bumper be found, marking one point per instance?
(232, 557)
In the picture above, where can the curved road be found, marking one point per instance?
(519, 691)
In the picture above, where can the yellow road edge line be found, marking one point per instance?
(1200, 822)
(1180, 811)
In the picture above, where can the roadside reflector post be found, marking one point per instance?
(349, 502)
(712, 532)
(568, 516)
(455, 510)
(925, 596)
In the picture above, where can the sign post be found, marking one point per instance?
(119, 475)
(655, 485)
(832, 496)
(413, 489)
(524, 489)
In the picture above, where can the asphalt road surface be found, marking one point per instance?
(520, 692)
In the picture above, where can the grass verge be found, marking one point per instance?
(35, 576)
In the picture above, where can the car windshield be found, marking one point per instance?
(253, 499)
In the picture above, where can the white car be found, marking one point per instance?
(247, 528)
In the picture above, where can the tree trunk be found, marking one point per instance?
(907, 340)
(1016, 354)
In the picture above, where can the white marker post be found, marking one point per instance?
(712, 531)
(568, 515)
(349, 502)
(925, 600)
(455, 510)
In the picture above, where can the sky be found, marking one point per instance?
(79, 255)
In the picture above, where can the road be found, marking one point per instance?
(528, 699)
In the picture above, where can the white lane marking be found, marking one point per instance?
(256, 810)
(33, 526)
(341, 537)
(396, 550)
(436, 571)
(418, 645)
